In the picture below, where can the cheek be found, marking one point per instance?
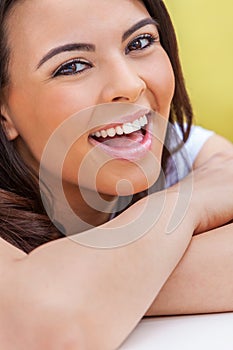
(161, 82)
(37, 112)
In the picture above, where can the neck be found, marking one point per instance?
(79, 209)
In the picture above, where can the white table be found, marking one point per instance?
(195, 332)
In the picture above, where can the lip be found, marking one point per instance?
(136, 150)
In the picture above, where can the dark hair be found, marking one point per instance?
(23, 220)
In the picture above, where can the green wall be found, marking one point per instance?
(205, 35)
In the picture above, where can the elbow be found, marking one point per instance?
(42, 323)
(65, 326)
(58, 327)
(46, 315)
(71, 334)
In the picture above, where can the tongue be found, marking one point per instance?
(122, 141)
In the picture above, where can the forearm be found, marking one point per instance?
(203, 280)
(92, 288)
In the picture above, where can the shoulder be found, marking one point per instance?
(213, 145)
(202, 144)
(8, 254)
(197, 139)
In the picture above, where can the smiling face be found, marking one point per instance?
(69, 55)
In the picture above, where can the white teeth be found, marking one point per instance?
(136, 125)
(143, 120)
(119, 130)
(126, 128)
(111, 132)
(104, 133)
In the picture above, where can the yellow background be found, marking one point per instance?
(205, 34)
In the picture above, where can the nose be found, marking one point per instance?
(123, 83)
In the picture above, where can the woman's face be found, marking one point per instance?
(70, 55)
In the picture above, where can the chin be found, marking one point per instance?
(127, 184)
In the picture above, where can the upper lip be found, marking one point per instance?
(124, 119)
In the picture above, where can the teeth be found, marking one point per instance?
(126, 128)
(104, 133)
(111, 132)
(119, 130)
(136, 125)
(143, 120)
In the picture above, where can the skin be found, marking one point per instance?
(208, 259)
(78, 266)
(41, 315)
(111, 76)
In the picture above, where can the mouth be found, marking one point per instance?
(130, 140)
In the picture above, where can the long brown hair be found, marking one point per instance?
(23, 220)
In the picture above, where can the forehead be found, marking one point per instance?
(36, 26)
(56, 18)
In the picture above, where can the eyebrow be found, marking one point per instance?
(65, 48)
(138, 25)
(91, 47)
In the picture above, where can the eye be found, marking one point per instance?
(141, 42)
(72, 67)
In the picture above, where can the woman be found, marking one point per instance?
(59, 59)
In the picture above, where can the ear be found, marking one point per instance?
(8, 124)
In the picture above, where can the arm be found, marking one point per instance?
(62, 292)
(213, 145)
(202, 281)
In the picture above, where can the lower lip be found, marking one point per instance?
(135, 151)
